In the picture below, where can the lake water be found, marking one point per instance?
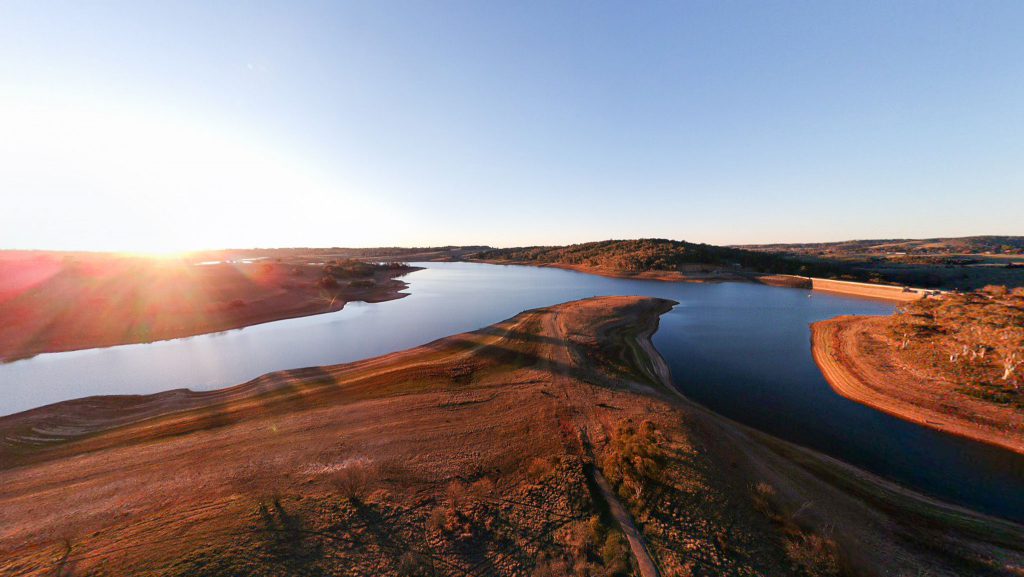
(742, 350)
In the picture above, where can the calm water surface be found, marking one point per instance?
(742, 350)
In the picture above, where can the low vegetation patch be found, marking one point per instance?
(975, 339)
(636, 459)
(810, 553)
(694, 523)
(356, 273)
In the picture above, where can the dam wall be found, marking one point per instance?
(862, 289)
(888, 292)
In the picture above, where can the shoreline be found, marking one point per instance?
(880, 292)
(836, 345)
(548, 381)
(288, 305)
(799, 472)
(391, 289)
(81, 424)
(662, 276)
(861, 481)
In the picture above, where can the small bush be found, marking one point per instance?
(354, 480)
(556, 567)
(614, 555)
(412, 564)
(817, 556)
(540, 469)
(762, 496)
(636, 458)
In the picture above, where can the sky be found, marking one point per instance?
(165, 126)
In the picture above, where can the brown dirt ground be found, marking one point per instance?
(471, 455)
(860, 363)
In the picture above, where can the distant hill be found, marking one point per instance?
(954, 263)
(964, 263)
(656, 254)
(929, 246)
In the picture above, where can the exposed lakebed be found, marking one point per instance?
(741, 349)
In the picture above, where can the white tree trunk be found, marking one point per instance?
(1010, 364)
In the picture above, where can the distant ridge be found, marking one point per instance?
(657, 254)
(990, 244)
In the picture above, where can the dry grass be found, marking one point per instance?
(473, 455)
(379, 464)
(813, 554)
(863, 361)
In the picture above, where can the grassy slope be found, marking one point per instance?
(472, 455)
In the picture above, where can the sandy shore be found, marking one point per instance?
(859, 365)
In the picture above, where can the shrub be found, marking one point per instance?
(354, 480)
(636, 458)
(412, 564)
(540, 469)
(817, 556)
(762, 496)
(614, 556)
(556, 567)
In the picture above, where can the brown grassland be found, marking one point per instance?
(952, 362)
(548, 444)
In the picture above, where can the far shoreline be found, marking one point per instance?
(656, 275)
(879, 292)
(388, 288)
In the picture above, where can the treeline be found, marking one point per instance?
(927, 246)
(977, 338)
(655, 254)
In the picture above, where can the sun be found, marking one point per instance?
(166, 255)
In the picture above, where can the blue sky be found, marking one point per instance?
(176, 125)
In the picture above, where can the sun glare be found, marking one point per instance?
(160, 182)
(165, 255)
